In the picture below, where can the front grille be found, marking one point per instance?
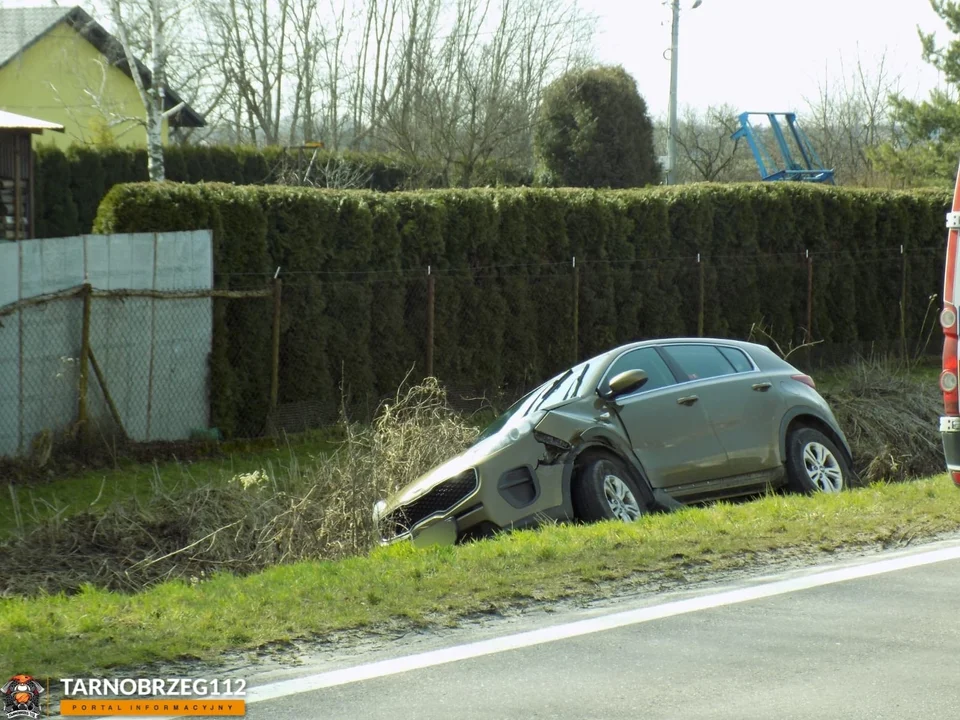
(440, 499)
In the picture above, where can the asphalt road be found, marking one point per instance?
(882, 646)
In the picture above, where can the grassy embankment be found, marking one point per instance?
(300, 543)
(54, 635)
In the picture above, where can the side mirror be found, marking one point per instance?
(624, 383)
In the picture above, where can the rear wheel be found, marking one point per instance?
(814, 463)
(605, 490)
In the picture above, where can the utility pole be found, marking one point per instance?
(672, 133)
(672, 136)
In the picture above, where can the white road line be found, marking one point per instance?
(432, 658)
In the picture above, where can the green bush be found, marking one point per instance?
(594, 130)
(354, 265)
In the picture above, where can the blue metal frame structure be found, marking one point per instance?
(811, 170)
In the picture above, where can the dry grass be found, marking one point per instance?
(890, 417)
(305, 508)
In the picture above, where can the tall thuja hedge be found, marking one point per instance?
(71, 183)
(355, 264)
(55, 209)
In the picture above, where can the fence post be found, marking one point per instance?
(275, 345)
(903, 303)
(83, 419)
(809, 296)
(700, 309)
(431, 301)
(576, 311)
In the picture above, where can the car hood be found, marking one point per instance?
(473, 456)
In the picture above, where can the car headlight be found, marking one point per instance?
(378, 508)
(506, 437)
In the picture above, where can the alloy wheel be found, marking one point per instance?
(621, 500)
(822, 468)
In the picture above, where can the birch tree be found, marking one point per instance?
(150, 84)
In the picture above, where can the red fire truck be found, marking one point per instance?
(950, 420)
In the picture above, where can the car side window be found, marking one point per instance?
(699, 362)
(739, 360)
(648, 360)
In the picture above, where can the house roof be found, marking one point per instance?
(12, 121)
(24, 26)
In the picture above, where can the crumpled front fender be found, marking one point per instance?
(600, 429)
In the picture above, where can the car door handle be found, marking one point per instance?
(688, 400)
(762, 387)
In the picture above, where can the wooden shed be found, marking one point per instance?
(16, 174)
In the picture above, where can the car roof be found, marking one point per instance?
(679, 341)
(599, 362)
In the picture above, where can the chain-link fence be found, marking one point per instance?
(293, 351)
(93, 368)
(348, 340)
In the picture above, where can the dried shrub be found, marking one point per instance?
(890, 418)
(308, 508)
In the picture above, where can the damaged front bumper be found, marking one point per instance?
(433, 531)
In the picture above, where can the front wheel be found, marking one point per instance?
(814, 463)
(605, 490)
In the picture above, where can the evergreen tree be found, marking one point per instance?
(594, 131)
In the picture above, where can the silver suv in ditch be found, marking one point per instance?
(650, 425)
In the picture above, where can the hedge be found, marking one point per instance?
(355, 268)
(70, 184)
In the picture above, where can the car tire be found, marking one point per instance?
(815, 463)
(605, 490)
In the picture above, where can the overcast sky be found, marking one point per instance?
(751, 54)
(762, 54)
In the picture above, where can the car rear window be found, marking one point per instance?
(737, 358)
(648, 360)
(698, 362)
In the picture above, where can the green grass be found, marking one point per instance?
(95, 629)
(28, 505)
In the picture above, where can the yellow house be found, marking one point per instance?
(58, 64)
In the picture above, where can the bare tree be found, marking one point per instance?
(307, 45)
(850, 118)
(472, 95)
(251, 37)
(151, 85)
(449, 84)
(706, 151)
(706, 146)
(330, 172)
(333, 41)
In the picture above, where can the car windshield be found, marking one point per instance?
(562, 387)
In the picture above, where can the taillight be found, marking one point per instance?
(805, 379)
(948, 318)
(948, 378)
